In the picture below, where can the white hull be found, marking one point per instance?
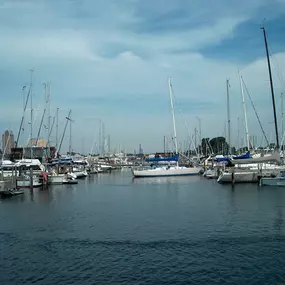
(245, 176)
(210, 174)
(10, 173)
(275, 181)
(56, 179)
(26, 184)
(80, 174)
(67, 180)
(165, 171)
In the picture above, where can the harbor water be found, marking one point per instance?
(113, 229)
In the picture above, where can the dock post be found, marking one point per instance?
(233, 177)
(12, 180)
(31, 178)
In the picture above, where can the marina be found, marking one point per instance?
(142, 142)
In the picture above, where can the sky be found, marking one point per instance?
(109, 61)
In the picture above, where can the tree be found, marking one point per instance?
(219, 145)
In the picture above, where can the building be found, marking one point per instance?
(140, 149)
(38, 143)
(7, 142)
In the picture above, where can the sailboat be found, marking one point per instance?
(265, 176)
(169, 170)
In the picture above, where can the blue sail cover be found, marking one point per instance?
(160, 159)
(221, 159)
(62, 160)
(243, 156)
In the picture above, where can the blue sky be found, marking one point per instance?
(110, 59)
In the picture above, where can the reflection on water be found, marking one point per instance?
(118, 230)
(166, 180)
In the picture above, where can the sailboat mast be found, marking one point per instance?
(282, 117)
(173, 115)
(229, 120)
(271, 87)
(31, 94)
(25, 103)
(56, 134)
(67, 119)
(238, 135)
(48, 107)
(70, 137)
(244, 112)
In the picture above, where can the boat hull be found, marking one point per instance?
(55, 179)
(160, 172)
(80, 174)
(278, 181)
(244, 176)
(26, 184)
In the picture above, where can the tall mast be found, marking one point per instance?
(195, 140)
(25, 103)
(173, 115)
(56, 134)
(103, 138)
(100, 137)
(229, 120)
(31, 94)
(200, 137)
(271, 87)
(244, 112)
(46, 101)
(282, 117)
(67, 119)
(238, 135)
(48, 107)
(70, 136)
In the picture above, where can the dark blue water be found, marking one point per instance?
(111, 229)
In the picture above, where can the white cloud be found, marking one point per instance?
(66, 46)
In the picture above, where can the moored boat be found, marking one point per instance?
(166, 171)
(25, 182)
(273, 181)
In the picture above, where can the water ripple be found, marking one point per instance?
(73, 260)
(113, 230)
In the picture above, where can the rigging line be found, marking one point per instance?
(185, 124)
(246, 90)
(279, 73)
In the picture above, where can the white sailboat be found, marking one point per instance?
(169, 170)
